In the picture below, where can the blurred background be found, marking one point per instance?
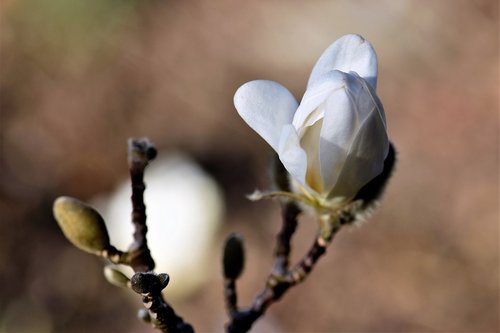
(77, 78)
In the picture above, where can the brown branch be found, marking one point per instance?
(230, 296)
(162, 316)
(140, 153)
(145, 282)
(282, 278)
(241, 321)
(305, 266)
(290, 212)
(276, 286)
(233, 261)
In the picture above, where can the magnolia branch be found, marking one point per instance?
(140, 153)
(144, 282)
(281, 278)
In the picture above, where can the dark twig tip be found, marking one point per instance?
(141, 151)
(151, 153)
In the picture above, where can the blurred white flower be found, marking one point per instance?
(184, 208)
(336, 140)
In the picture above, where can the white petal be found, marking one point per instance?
(266, 106)
(370, 94)
(292, 155)
(369, 148)
(348, 53)
(316, 94)
(365, 160)
(337, 134)
(309, 141)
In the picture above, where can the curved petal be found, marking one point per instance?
(309, 111)
(309, 141)
(340, 125)
(266, 106)
(292, 155)
(365, 160)
(370, 144)
(370, 94)
(348, 53)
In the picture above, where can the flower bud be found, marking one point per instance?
(233, 259)
(149, 282)
(81, 224)
(115, 277)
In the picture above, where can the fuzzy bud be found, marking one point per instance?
(149, 282)
(81, 224)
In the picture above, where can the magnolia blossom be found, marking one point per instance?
(334, 141)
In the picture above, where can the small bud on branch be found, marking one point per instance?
(81, 224)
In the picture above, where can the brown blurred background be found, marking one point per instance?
(79, 77)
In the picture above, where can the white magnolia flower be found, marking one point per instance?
(334, 141)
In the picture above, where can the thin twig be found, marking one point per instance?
(290, 212)
(276, 286)
(233, 261)
(305, 266)
(282, 278)
(230, 296)
(140, 153)
(163, 317)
